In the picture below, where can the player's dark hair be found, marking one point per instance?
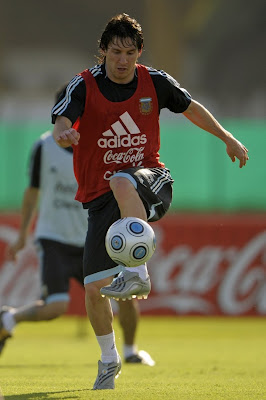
(124, 27)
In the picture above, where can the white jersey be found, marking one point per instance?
(61, 217)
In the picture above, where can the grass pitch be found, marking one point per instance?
(196, 359)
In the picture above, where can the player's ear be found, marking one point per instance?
(102, 52)
(140, 51)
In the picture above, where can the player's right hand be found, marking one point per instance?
(14, 248)
(68, 137)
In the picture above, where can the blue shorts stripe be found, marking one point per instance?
(103, 274)
(54, 298)
(125, 175)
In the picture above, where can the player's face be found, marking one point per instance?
(120, 60)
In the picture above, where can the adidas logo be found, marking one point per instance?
(124, 133)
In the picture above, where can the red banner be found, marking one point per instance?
(203, 265)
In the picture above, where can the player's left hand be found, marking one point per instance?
(236, 149)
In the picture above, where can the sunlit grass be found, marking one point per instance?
(196, 358)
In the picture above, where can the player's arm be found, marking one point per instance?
(63, 133)
(28, 209)
(29, 202)
(201, 117)
(67, 110)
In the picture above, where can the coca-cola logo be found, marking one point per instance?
(211, 280)
(243, 287)
(131, 156)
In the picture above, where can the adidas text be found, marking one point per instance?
(125, 141)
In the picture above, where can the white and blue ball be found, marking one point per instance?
(130, 241)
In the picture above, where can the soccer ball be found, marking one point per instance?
(130, 242)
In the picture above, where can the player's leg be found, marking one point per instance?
(98, 308)
(99, 270)
(153, 188)
(127, 197)
(129, 314)
(100, 315)
(124, 188)
(53, 264)
(34, 312)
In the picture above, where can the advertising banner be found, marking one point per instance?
(203, 265)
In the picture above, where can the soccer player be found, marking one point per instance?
(110, 114)
(60, 235)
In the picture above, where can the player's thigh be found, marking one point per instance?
(55, 266)
(154, 186)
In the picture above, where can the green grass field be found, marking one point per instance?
(196, 358)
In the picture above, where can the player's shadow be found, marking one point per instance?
(29, 366)
(66, 394)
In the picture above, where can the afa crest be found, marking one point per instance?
(145, 105)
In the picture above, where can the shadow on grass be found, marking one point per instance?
(65, 394)
(24, 366)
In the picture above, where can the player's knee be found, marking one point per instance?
(92, 290)
(122, 188)
(92, 293)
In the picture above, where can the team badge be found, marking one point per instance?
(145, 105)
